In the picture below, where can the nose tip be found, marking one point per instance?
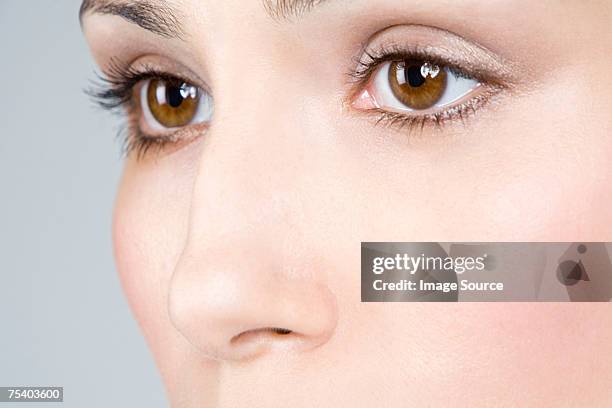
(237, 316)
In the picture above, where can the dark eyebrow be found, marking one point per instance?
(286, 9)
(152, 15)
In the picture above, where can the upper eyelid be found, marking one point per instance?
(443, 47)
(138, 75)
(150, 65)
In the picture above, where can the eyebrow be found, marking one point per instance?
(152, 15)
(163, 20)
(286, 9)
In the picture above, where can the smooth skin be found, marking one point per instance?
(257, 223)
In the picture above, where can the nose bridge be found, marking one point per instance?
(250, 173)
(255, 159)
(240, 289)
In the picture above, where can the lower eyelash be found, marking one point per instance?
(134, 142)
(438, 120)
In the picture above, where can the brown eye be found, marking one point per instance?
(173, 103)
(418, 85)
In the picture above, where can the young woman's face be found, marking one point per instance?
(266, 141)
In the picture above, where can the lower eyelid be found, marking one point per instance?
(141, 143)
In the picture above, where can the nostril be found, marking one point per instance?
(258, 333)
(255, 342)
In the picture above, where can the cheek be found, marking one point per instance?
(497, 349)
(542, 172)
(554, 178)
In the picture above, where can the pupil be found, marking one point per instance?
(414, 77)
(174, 96)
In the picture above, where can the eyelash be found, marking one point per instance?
(115, 89)
(362, 74)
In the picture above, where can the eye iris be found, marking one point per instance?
(172, 103)
(418, 85)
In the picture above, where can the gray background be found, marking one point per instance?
(64, 321)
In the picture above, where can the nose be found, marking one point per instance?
(249, 282)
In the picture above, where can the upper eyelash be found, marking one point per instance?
(114, 88)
